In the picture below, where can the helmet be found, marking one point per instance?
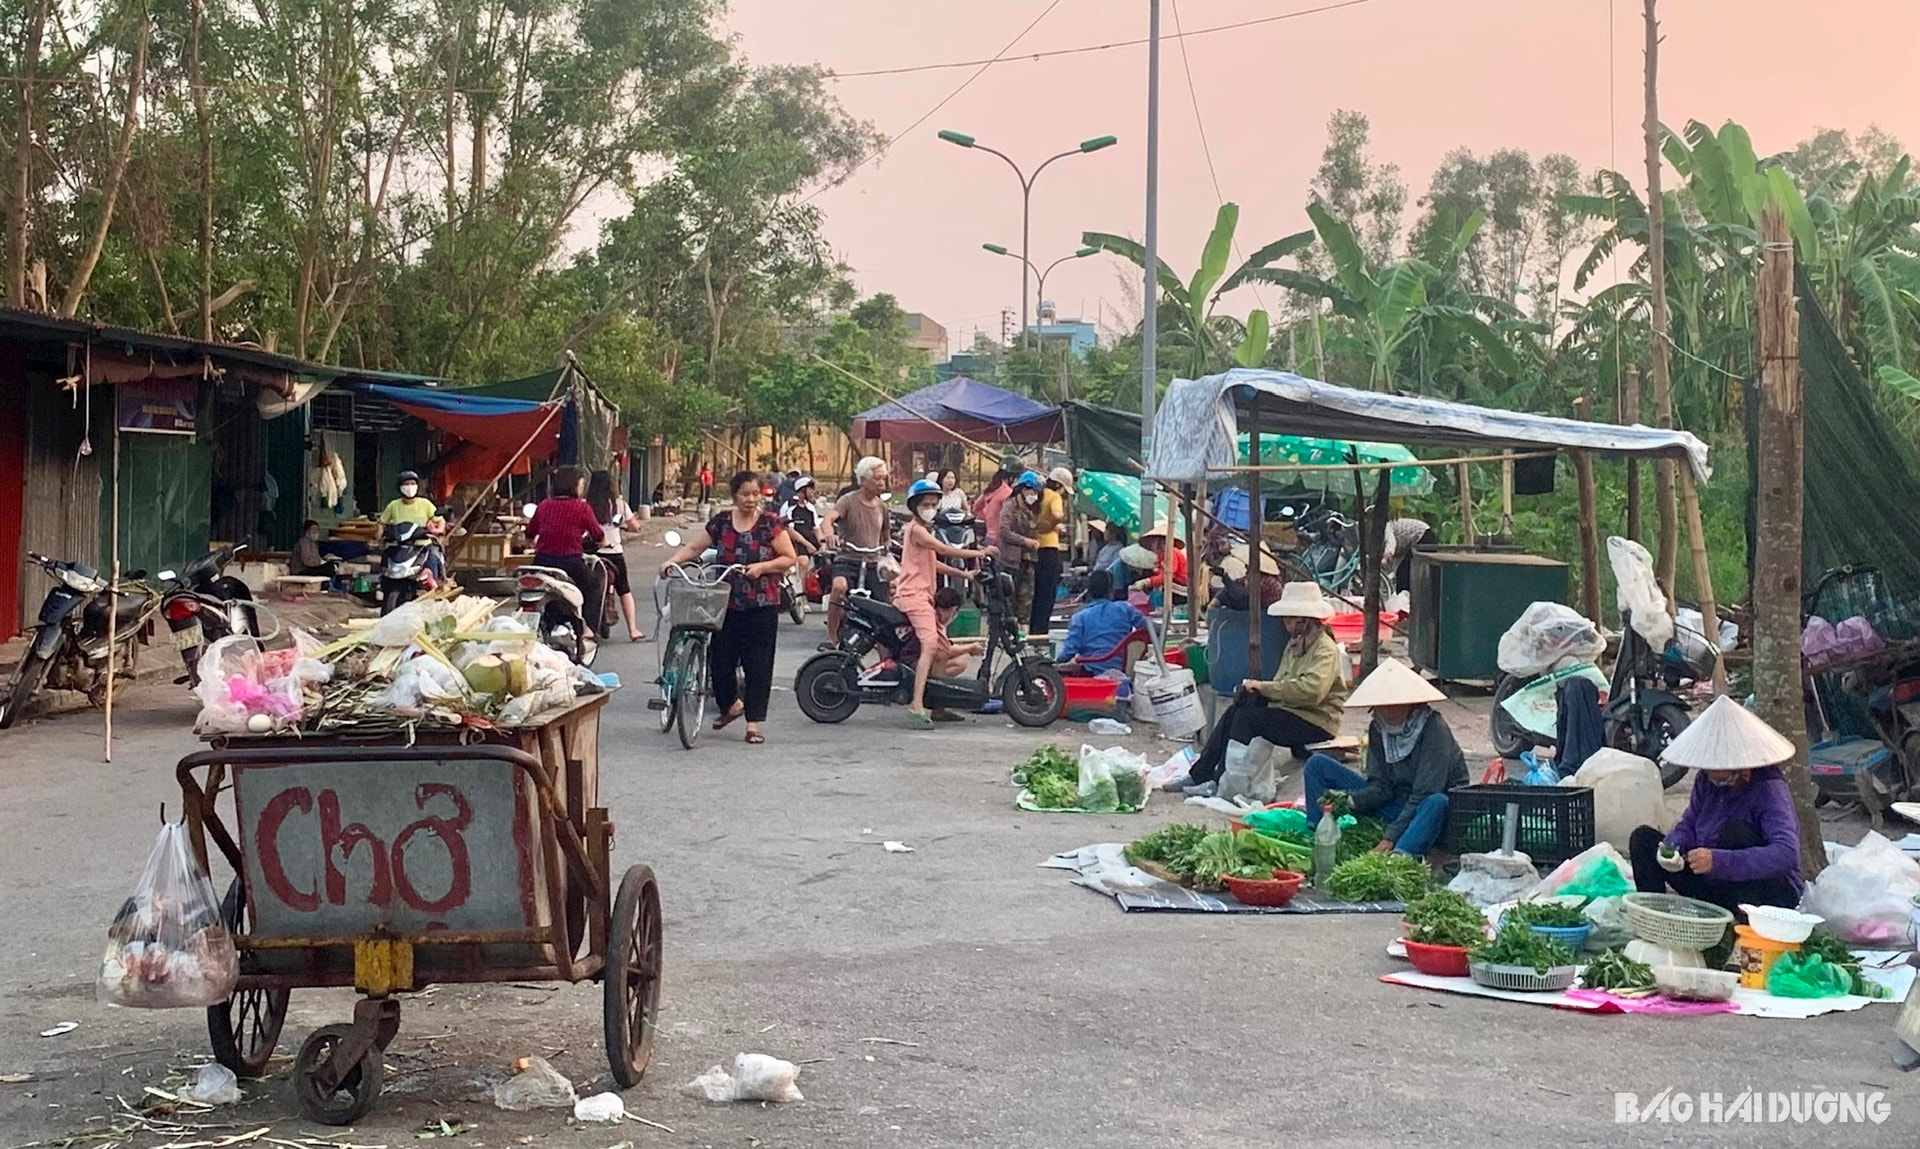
(922, 487)
(1012, 464)
(1030, 480)
(1063, 476)
(802, 483)
(408, 477)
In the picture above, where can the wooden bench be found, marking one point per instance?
(295, 588)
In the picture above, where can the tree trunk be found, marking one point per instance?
(1779, 693)
(1376, 544)
(1630, 416)
(123, 148)
(23, 159)
(198, 80)
(1668, 555)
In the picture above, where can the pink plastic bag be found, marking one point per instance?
(1819, 644)
(1855, 636)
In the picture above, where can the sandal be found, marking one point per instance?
(636, 636)
(826, 646)
(727, 719)
(946, 716)
(919, 720)
(755, 738)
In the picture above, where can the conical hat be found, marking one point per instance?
(1302, 600)
(1268, 564)
(1394, 683)
(1728, 736)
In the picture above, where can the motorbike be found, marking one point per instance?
(793, 594)
(877, 650)
(69, 647)
(404, 572)
(203, 604)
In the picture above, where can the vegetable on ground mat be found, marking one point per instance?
(1615, 970)
(1167, 843)
(1444, 918)
(1516, 944)
(1556, 915)
(1047, 761)
(1379, 878)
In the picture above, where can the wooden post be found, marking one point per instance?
(1256, 610)
(1376, 549)
(1506, 498)
(1667, 557)
(1630, 418)
(1470, 532)
(113, 584)
(1778, 688)
(1195, 602)
(1589, 524)
(1702, 576)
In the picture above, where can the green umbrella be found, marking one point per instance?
(1280, 450)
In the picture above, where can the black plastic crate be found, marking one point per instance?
(1555, 822)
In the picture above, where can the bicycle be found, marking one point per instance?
(695, 606)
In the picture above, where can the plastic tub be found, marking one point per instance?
(1273, 892)
(1573, 937)
(1087, 693)
(1440, 961)
(1691, 984)
(1753, 956)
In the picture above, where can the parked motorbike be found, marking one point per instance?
(874, 663)
(793, 594)
(69, 646)
(404, 571)
(203, 604)
(557, 609)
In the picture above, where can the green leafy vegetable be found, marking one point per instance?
(1130, 788)
(1048, 761)
(1167, 843)
(1379, 878)
(1338, 801)
(1359, 838)
(1517, 944)
(1444, 918)
(1553, 914)
(1826, 944)
(1052, 792)
(1615, 970)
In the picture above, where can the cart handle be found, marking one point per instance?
(201, 813)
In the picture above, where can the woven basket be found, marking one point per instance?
(691, 607)
(1522, 978)
(1675, 922)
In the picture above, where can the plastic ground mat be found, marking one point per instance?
(1104, 869)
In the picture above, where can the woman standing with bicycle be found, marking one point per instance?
(753, 539)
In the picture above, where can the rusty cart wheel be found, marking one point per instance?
(631, 981)
(353, 1098)
(245, 1028)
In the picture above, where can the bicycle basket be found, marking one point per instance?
(697, 607)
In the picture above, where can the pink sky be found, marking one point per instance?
(1431, 74)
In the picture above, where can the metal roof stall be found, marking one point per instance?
(1198, 421)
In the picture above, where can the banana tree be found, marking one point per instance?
(1186, 311)
(1402, 311)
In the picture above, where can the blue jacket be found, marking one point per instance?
(1097, 628)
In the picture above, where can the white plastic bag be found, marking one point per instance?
(1639, 594)
(1548, 635)
(1867, 894)
(538, 1086)
(215, 1084)
(604, 1108)
(1098, 791)
(399, 628)
(1177, 766)
(755, 1077)
(1690, 629)
(1124, 770)
(168, 947)
(1627, 794)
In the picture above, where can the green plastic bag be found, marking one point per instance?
(1599, 878)
(1810, 976)
(1281, 820)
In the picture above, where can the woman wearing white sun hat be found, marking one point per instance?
(1739, 839)
(1412, 761)
(1298, 707)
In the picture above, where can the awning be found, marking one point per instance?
(1198, 424)
(495, 424)
(960, 407)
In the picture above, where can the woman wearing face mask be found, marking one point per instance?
(913, 590)
(1739, 839)
(1019, 540)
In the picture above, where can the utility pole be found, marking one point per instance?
(1668, 556)
(1778, 491)
(1150, 325)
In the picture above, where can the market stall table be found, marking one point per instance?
(468, 854)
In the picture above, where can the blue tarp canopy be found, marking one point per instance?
(964, 408)
(452, 402)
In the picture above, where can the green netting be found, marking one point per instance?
(1280, 450)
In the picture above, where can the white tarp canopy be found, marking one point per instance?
(1197, 423)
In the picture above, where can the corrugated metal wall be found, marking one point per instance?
(60, 514)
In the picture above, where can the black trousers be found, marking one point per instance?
(1248, 718)
(1644, 851)
(744, 643)
(1046, 585)
(583, 577)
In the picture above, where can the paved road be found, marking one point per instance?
(1037, 1013)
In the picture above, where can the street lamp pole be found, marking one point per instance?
(961, 139)
(1040, 286)
(1150, 324)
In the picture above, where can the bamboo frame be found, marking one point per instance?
(1457, 461)
(1702, 575)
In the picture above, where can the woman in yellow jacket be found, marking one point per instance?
(1299, 707)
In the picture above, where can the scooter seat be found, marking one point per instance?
(886, 614)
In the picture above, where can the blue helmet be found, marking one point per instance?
(922, 487)
(1030, 480)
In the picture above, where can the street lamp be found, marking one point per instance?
(1040, 288)
(961, 139)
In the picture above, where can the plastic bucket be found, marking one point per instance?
(1753, 956)
(1197, 661)
(1176, 703)
(966, 623)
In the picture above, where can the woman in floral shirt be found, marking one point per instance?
(755, 540)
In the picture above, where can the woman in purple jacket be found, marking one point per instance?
(1739, 839)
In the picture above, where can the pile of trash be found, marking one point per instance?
(435, 662)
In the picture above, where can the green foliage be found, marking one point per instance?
(1554, 914)
(1379, 878)
(1445, 918)
(1615, 970)
(1516, 944)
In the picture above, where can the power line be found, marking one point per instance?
(1084, 49)
(1206, 149)
(931, 112)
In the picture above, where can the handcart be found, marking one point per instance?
(469, 855)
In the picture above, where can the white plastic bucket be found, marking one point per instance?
(1176, 703)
